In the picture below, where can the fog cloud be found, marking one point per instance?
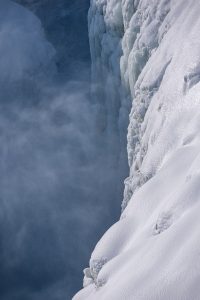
(57, 181)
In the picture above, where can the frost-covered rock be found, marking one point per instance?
(91, 274)
(164, 221)
(154, 248)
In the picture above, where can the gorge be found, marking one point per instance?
(99, 135)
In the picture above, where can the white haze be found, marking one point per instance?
(56, 176)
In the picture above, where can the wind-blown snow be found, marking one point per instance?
(152, 50)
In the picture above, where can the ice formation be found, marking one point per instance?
(146, 53)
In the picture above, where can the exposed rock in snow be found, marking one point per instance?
(91, 274)
(163, 223)
(152, 50)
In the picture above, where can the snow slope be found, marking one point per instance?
(152, 50)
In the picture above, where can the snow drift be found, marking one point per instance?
(152, 50)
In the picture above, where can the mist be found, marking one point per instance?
(60, 187)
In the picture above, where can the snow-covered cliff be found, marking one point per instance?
(147, 52)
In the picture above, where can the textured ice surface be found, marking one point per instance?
(105, 35)
(152, 49)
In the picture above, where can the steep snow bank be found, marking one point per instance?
(152, 49)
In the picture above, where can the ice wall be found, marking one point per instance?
(150, 50)
(123, 35)
(105, 34)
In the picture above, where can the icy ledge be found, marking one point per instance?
(153, 252)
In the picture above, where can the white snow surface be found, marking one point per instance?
(153, 251)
